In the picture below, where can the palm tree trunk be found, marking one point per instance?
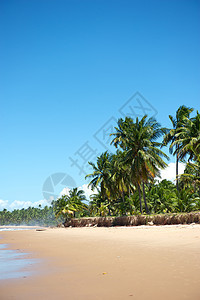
(177, 187)
(123, 199)
(144, 197)
(140, 198)
(195, 189)
(122, 192)
(109, 210)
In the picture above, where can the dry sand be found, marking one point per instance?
(108, 263)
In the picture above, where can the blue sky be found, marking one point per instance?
(66, 69)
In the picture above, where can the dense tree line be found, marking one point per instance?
(126, 182)
(30, 216)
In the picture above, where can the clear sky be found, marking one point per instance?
(67, 70)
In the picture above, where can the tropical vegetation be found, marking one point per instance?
(71, 205)
(30, 216)
(127, 181)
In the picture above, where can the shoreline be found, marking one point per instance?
(143, 262)
(22, 227)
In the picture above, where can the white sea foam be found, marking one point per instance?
(13, 228)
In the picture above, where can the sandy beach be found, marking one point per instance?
(144, 262)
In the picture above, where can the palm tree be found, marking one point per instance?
(95, 204)
(76, 198)
(171, 136)
(122, 133)
(191, 175)
(101, 175)
(187, 201)
(119, 175)
(162, 197)
(188, 138)
(142, 151)
(68, 205)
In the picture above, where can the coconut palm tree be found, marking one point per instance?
(171, 136)
(68, 205)
(162, 197)
(142, 151)
(191, 175)
(188, 138)
(95, 204)
(187, 201)
(122, 133)
(119, 175)
(101, 175)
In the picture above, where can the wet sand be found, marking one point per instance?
(145, 262)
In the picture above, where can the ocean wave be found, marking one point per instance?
(13, 228)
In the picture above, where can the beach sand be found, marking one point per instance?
(144, 262)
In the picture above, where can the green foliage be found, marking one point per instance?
(173, 137)
(162, 197)
(30, 216)
(62, 208)
(124, 178)
(71, 205)
(135, 164)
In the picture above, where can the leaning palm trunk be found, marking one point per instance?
(144, 197)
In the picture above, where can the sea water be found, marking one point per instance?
(13, 263)
(13, 228)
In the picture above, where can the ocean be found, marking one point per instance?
(15, 263)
